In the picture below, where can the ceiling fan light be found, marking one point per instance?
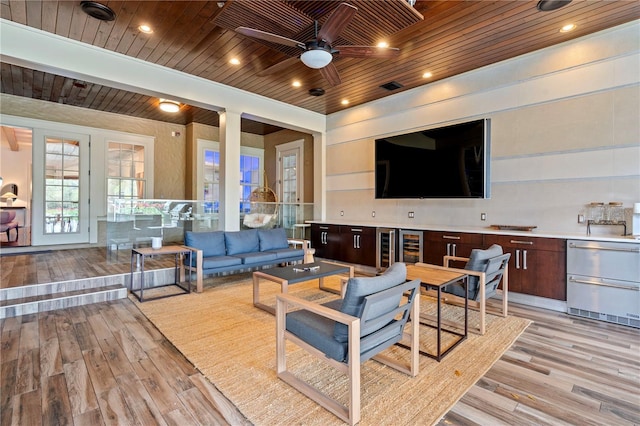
(169, 106)
(316, 58)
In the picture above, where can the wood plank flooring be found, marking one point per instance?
(101, 364)
(71, 264)
(107, 364)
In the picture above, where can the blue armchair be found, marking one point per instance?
(347, 332)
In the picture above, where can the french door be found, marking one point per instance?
(290, 180)
(60, 188)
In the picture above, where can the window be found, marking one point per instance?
(125, 174)
(211, 181)
(251, 171)
(62, 185)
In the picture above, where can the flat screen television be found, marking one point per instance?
(445, 162)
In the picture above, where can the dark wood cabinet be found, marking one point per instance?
(352, 244)
(326, 240)
(537, 265)
(358, 245)
(439, 244)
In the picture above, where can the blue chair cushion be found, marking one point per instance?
(360, 287)
(317, 331)
(211, 243)
(477, 262)
(242, 241)
(272, 239)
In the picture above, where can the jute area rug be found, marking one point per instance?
(233, 344)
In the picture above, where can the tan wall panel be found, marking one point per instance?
(170, 151)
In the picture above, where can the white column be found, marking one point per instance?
(229, 170)
(319, 176)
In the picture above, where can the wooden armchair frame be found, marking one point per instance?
(351, 412)
(482, 281)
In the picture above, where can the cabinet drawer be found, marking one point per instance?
(455, 237)
(525, 242)
(362, 230)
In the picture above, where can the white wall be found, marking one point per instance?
(15, 167)
(565, 132)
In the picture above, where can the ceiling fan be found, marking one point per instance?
(318, 53)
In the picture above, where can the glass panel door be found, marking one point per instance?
(290, 181)
(60, 188)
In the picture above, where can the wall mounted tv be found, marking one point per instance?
(445, 162)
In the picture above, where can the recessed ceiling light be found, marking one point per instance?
(427, 75)
(383, 44)
(144, 28)
(234, 61)
(345, 102)
(296, 83)
(567, 28)
(169, 106)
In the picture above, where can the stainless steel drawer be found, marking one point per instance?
(616, 261)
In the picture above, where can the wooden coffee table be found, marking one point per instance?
(295, 274)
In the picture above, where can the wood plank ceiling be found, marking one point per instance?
(197, 37)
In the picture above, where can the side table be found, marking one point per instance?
(179, 253)
(436, 278)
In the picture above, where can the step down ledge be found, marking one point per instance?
(46, 303)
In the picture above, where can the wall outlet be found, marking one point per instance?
(580, 218)
(483, 216)
(373, 213)
(341, 212)
(410, 215)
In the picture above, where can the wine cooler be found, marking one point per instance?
(411, 246)
(385, 248)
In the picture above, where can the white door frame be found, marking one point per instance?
(38, 235)
(282, 149)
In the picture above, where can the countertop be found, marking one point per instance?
(486, 230)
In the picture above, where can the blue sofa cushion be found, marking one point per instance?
(360, 287)
(220, 262)
(211, 243)
(242, 241)
(256, 257)
(287, 253)
(272, 239)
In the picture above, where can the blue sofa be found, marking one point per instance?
(225, 251)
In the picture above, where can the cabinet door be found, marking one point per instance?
(537, 265)
(439, 244)
(358, 245)
(326, 240)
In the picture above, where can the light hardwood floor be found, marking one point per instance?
(107, 364)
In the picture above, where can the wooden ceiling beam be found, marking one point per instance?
(10, 136)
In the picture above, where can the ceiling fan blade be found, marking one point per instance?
(334, 25)
(367, 52)
(280, 66)
(273, 38)
(330, 73)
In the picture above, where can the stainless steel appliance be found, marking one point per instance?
(385, 248)
(603, 281)
(411, 246)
